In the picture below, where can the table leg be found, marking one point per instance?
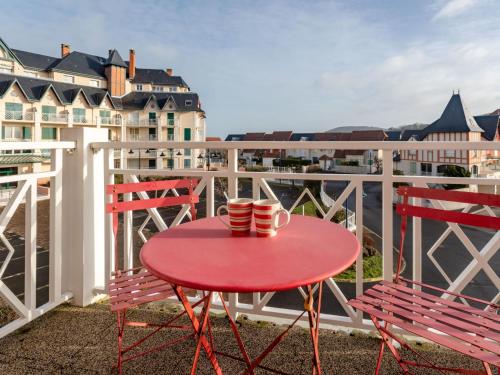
(199, 329)
(313, 316)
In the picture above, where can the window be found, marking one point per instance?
(158, 88)
(170, 118)
(27, 133)
(172, 89)
(187, 152)
(138, 87)
(426, 168)
(413, 168)
(170, 134)
(449, 153)
(134, 134)
(187, 134)
(48, 112)
(12, 132)
(13, 111)
(170, 163)
(68, 79)
(79, 115)
(94, 83)
(152, 163)
(188, 103)
(187, 163)
(105, 116)
(49, 133)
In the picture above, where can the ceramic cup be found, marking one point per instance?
(240, 216)
(266, 213)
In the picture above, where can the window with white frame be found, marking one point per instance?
(188, 103)
(138, 87)
(12, 132)
(94, 83)
(449, 153)
(68, 79)
(172, 89)
(158, 88)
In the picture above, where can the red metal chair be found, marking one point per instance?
(472, 331)
(132, 287)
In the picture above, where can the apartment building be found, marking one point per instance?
(455, 124)
(40, 95)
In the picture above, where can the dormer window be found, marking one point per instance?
(158, 88)
(138, 87)
(188, 103)
(172, 89)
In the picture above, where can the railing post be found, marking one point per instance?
(387, 212)
(232, 169)
(83, 237)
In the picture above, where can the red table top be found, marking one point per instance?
(203, 255)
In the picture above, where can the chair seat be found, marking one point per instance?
(466, 329)
(132, 289)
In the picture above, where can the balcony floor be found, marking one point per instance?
(82, 340)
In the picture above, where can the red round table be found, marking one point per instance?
(203, 255)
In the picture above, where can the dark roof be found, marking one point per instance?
(35, 60)
(138, 100)
(393, 135)
(35, 88)
(455, 118)
(158, 77)
(82, 63)
(490, 125)
(235, 137)
(418, 134)
(280, 136)
(115, 59)
(302, 136)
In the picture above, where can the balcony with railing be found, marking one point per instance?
(58, 118)
(66, 255)
(18, 116)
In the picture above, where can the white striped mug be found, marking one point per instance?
(240, 216)
(266, 213)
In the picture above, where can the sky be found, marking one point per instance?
(289, 65)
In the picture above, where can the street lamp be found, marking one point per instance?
(131, 152)
(207, 156)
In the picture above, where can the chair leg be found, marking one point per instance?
(380, 357)
(487, 369)
(120, 317)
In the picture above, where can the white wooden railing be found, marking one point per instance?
(81, 240)
(259, 305)
(25, 306)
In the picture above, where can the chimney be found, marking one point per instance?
(65, 50)
(131, 64)
(170, 71)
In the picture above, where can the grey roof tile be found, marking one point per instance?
(455, 118)
(157, 76)
(490, 125)
(35, 60)
(82, 63)
(115, 59)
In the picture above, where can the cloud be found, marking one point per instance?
(454, 7)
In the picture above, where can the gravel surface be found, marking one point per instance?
(72, 340)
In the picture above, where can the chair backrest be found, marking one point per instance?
(118, 205)
(404, 209)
